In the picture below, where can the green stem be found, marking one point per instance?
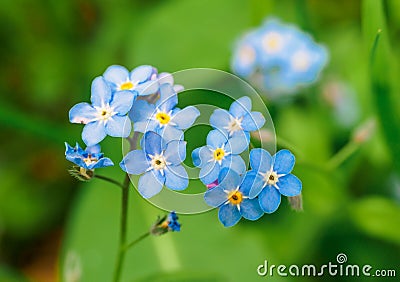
(124, 220)
(124, 216)
(105, 178)
(131, 244)
(342, 155)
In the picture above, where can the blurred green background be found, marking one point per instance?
(53, 228)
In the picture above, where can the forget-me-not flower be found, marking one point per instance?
(278, 57)
(166, 77)
(138, 80)
(159, 162)
(273, 178)
(107, 115)
(232, 197)
(240, 120)
(219, 152)
(163, 117)
(90, 158)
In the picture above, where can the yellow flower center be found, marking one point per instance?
(163, 118)
(219, 154)
(126, 86)
(235, 197)
(272, 42)
(89, 160)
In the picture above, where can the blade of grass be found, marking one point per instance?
(381, 66)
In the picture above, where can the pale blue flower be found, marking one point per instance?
(231, 196)
(90, 158)
(107, 115)
(273, 178)
(220, 152)
(159, 163)
(163, 117)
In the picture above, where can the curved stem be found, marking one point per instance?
(342, 155)
(131, 244)
(105, 178)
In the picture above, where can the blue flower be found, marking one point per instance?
(138, 80)
(232, 198)
(172, 220)
(273, 178)
(278, 57)
(166, 77)
(239, 120)
(159, 163)
(105, 116)
(163, 117)
(219, 152)
(90, 158)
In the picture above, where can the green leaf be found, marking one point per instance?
(378, 217)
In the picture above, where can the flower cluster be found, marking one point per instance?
(236, 191)
(278, 57)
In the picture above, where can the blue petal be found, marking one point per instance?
(260, 160)
(93, 133)
(169, 133)
(234, 162)
(77, 160)
(289, 185)
(176, 177)
(147, 88)
(175, 152)
(283, 162)
(229, 215)
(209, 172)
(101, 92)
(150, 184)
(95, 149)
(215, 139)
(168, 98)
(103, 162)
(152, 143)
(144, 126)
(257, 186)
(119, 126)
(237, 145)
(228, 179)
(185, 117)
(269, 199)
(141, 73)
(116, 74)
(205, 155)
(141, 110)
(135, 162)
(196, 157)
(251, 182)
(250, 209)
(122, 101)
(82, 113)
(240, 107)
(215, 197)
(71, 150)
(220, 118)
(253, 121)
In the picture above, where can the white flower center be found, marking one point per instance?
(247, 54)
(235, 124)
(104, 113)
(158, 162)
(301, 61)
(271, 178)
(272, 42)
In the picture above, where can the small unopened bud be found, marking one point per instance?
(296, 202)
(364, 132)
(165, 224)
(81, 173)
